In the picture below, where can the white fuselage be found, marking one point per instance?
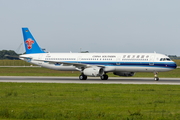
(111, 62)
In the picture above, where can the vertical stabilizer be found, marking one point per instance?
(30, 43)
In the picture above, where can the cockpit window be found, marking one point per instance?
(168, 59)
(165, 59)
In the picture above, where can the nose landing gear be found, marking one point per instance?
(156, 78)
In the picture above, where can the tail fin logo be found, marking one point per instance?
(29, 43)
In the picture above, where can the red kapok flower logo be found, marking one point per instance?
(29, 43)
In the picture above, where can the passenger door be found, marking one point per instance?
(151, 61)
(118, 59)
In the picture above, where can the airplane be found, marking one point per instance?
(96, 64)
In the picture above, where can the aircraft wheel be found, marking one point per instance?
(156, 78)
(83, 77)
(104, 77)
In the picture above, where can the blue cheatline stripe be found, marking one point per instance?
(128, 64)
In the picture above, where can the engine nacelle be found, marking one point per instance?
(125, 74)
(94, 71)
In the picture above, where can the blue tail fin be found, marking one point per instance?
(30, 43)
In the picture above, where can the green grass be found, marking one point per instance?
(31, 71)
(47, 72)
(52, 101)
(13, 63)
(170, 74)
(177, 62)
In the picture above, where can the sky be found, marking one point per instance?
(93, 25)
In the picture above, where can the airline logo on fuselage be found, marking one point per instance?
(29, 43)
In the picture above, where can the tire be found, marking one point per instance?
(156, 78)
(104, 77)
(83, 77)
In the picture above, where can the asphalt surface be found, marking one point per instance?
(90, 80)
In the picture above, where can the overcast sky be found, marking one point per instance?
(93, 25)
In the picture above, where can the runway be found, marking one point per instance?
(90, 80)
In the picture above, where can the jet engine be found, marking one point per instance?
(93, 71)
(125, 74)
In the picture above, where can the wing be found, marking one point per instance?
(79, 66)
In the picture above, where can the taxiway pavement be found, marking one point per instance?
(90, 80)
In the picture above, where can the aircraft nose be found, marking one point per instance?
(175, 65)
(172, 65)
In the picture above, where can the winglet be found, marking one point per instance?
(30, 43)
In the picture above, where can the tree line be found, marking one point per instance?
(8, 54)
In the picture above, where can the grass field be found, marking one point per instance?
(177, 62)
(29, 101)
(31, 71)
(4, 71)
(13, 63)
(53, 101)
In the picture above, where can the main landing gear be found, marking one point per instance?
(84, 77)
(156, 78)
(104, 77)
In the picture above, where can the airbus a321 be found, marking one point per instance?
(96, 64)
